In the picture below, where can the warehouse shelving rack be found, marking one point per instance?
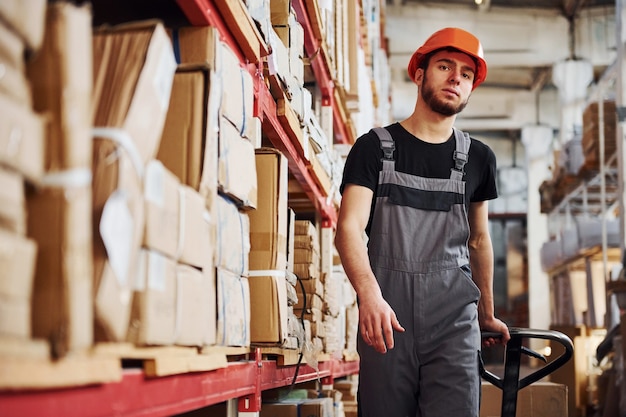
(239, 33)
(136, 395)
(595, 196)
(244, 380)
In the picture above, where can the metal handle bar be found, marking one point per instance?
(510, 384)
(514, 349)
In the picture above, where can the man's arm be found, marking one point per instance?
(481, 262)
(376, 318)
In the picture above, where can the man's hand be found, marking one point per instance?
(377, 321)
(497, 326)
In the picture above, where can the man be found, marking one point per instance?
(419, 189)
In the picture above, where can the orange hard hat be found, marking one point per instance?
(452, 38)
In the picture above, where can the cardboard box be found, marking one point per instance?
(292, 296)
(306, 227)
(279, 12)
(278, 60)
(17, 265)
(307, 270)
(574, 373)
(255, 133)
(15, 318)
(61, 75)
(233, 237)
(237, 175)
(12, 202)
(541, 399)
(60, 221)
(306, 256)
(311, 286)
(201, 46)
(14, 85)
(26, 18)
(119, 219)
(198, 46)
(12, 49)
(183, 141)
(21, 139)
(188, 146)
(161, 196)
(268, 309)
(132, 91)
(313, 315)
(17, 272)
(291, 229)
(237, 91)
(210, 274)
(153, 320)
(268, 223)
(312, 301)
(209, 179)
(233, 309)
(13, 82)
(195, 298)
(196, 243)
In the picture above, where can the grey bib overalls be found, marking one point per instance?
(418, 252)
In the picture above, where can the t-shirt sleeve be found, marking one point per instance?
(487, 188)
(363, 162)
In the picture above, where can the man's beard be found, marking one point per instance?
(439, 106)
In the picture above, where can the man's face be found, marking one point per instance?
(447, 82)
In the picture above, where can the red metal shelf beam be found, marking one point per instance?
(274, 376)
(319, 64)
(136, 395)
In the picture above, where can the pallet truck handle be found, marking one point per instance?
(517, 335)
(510, 384)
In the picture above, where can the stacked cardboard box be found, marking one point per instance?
(591, 133)
(233, 288)
(59, 209)
(348, 388)
(177, 245)
(134, 225)
(541, 399)
(307, 269)
(349, 327)
(211, 112)
(21, 161)
(212, 71)
(269, 285)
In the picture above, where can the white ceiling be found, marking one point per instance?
(521, 45)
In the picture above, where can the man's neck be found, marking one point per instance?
(429, 126)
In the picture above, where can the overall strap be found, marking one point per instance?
(461, 154)
(388, 146)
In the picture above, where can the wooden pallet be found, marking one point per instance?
(233, 353)
(164, 360)
(284, 357)
(350, 355)
(26, 364)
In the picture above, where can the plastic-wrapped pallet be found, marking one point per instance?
(551, 254)
(590, 232)
(569, 242)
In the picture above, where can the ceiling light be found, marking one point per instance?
(479, 2)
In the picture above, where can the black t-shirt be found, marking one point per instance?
(416, 157)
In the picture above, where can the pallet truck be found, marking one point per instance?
(510, 383)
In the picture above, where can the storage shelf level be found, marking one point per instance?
(137, 395)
